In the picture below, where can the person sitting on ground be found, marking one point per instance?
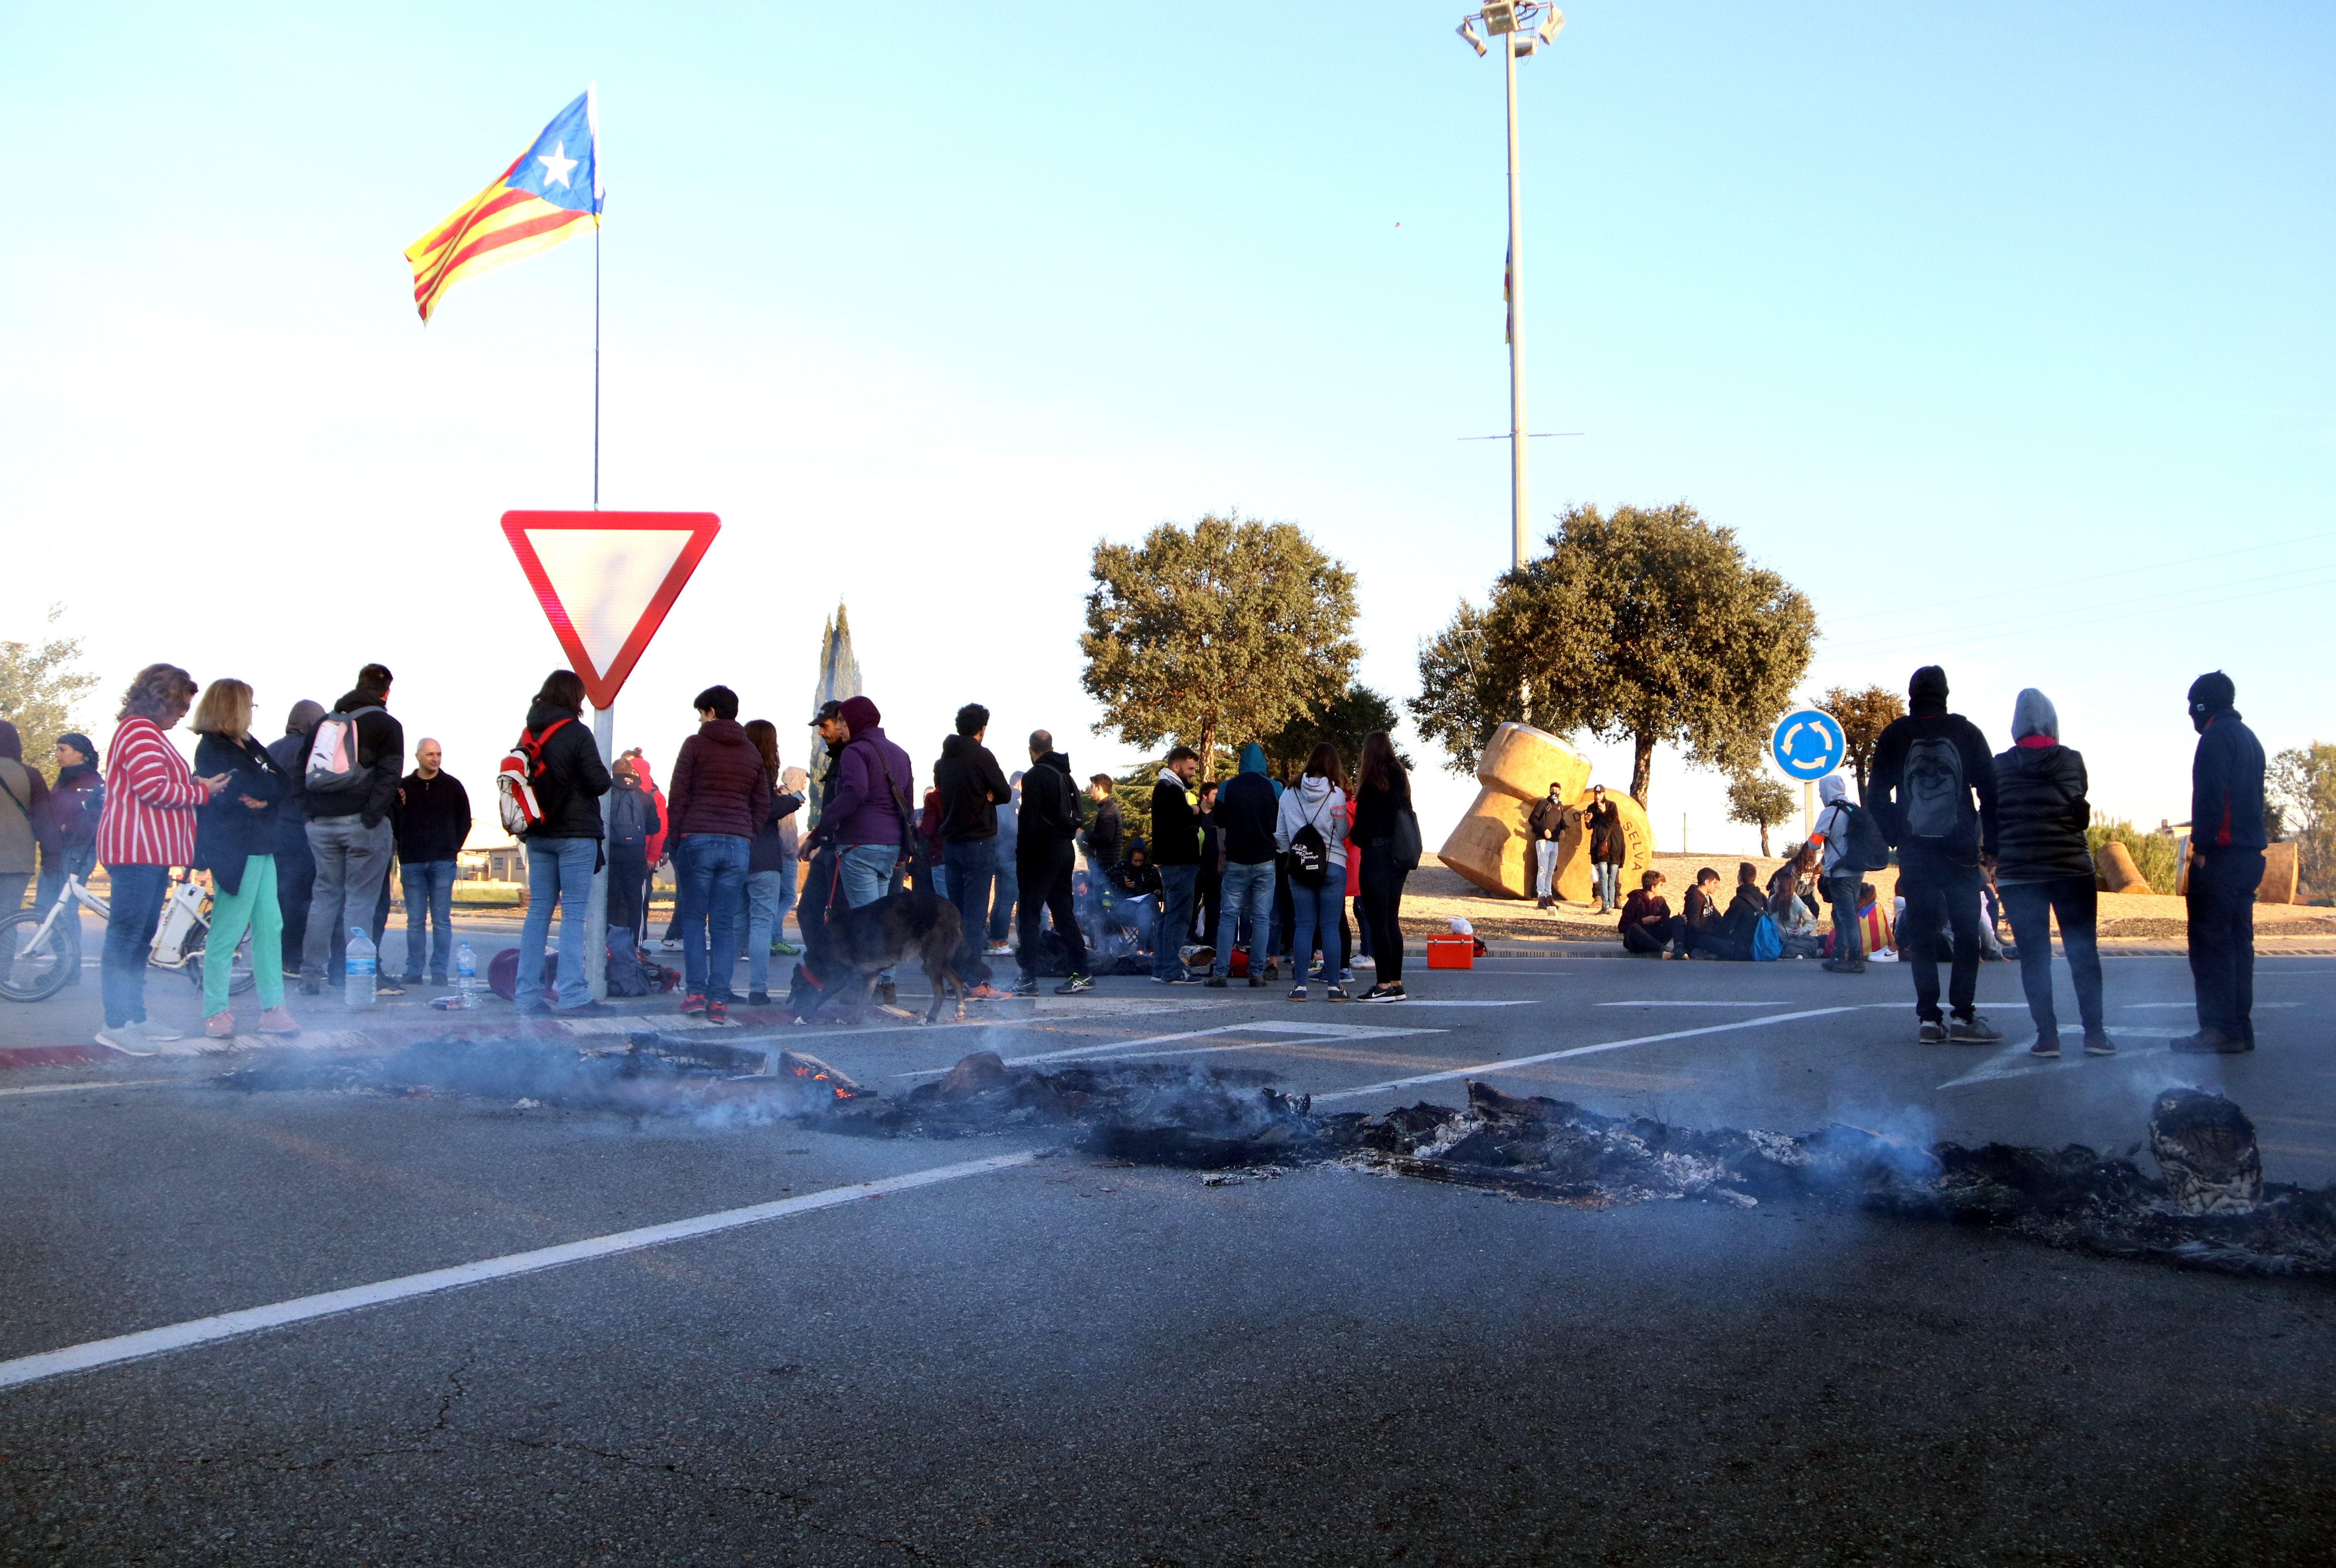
(1131, 895)
(1874, 922)
(1703, 920)
(1744, 912)
(1648, 924)
(1792, 902)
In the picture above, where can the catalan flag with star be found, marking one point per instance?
(550, 192)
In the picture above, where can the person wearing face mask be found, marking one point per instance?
(2226, 865)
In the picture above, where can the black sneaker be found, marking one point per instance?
(1218, 982)
(1934, 1032)
(1256, 983)
(1845, 966)
(2097, 1044)
(1390, 992)
(1025, 986)
(2045, 1046)
(2210, 1042)
(1073, 986)
(1973, 1031)
(758, 999)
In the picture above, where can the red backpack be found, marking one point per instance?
(515, 781)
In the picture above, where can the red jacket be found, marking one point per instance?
(150, 796)
(718, 783)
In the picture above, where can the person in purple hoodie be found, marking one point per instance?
(872, 813)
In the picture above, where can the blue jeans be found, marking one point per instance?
(971, 866)
(767, 896)
(1317, 912)
(1608, 877)
(79, 859)
(133, 910)
(713, 869)
(1008, 889)
(558, 870)
(1176, 884)
(429, 891)
(870, 873)
(1248, 896)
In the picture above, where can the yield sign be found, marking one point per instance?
(606, 580)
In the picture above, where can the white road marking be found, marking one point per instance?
(1687, 1003)
(252, 1319)
(1482, 1067)
(1448, 1002)
(1346, 1038)
(2259, 1007)
(96, 1083)
(1142, 1046)
(2017, 1061)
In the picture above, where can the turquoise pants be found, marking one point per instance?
(253, 908)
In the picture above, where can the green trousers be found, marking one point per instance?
(251, 906)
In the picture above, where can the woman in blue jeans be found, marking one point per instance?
(563, 849)
(770, 869)
(1316, 805)
(2044, 871)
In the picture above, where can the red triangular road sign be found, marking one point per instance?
(606, 580)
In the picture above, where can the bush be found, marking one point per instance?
(2152, 854)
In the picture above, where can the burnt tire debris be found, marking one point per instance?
(2209, 1209)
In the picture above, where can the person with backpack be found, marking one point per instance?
(296, 862)
(1848, 842)
(1934, 792)
(28, 834)
(433, 819)
(1387, 833)
(2227, 840)
(972, 788)
(567, 777)
(1176, 854)
(235, 842)
(1311, 830)
(770, 868)
(719, 796)
(1608, 846)
(1043, 867)
(2044, 869)
(1545, 825)
(1248, 816)
(349, 767)
(634, 822)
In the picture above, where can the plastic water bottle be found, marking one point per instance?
(466, 974)
(360, 969)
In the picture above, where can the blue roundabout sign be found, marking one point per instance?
(1808, 745)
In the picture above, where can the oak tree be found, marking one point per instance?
(1760, 800)
(1862, 715)
(39, 685)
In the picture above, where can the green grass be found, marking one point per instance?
(2152, 854)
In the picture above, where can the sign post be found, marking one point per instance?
(1808, 745)
(605, 582)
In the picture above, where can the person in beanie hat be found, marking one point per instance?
(1929, 766)
(2226, 865)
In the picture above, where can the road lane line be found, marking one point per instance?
(252, 1319)
(1513, 1062)
(95, 1084)
(1345, 1039)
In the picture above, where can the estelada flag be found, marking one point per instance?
(550, 192)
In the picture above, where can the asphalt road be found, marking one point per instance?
(1059, 1360)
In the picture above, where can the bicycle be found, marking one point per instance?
(40, 949)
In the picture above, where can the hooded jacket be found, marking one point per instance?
(864, 809)
(2041, 809)
(1891, 794)
(227, 832)
(2226, 785)
(1247, 811)
(1833, 821)
(1106, 837)
(570, 778)
(26, 819)
(1316, 802)
(381, 760)
(718, 785)
(1175, 822)
(972, 787)
(77, 800)
(292, 811)
(1050, 807)
(634, 818)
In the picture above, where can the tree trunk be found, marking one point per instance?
(1208, 746)
(1642, 767)
(1764, 841)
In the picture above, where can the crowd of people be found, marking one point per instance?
(299, 835)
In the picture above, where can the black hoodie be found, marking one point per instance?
(1050, 806)
(972, 787)
(570, 778)
(1892, 794)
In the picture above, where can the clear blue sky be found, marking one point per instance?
(1947, 310)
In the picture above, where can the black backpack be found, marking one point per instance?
(1932, 795)
(1310, 855)
(1862, 847)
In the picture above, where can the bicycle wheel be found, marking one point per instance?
(239, 976)
(30, 968)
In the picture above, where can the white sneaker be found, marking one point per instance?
(999, 950)
(123, 1040)
(157, 1034)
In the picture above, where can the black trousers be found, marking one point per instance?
(2222, 900)
(1670, 931)
(296, 884)
(1936, 892)
(1043, 873)
(628, 892)
(1207, 895)
(1381, 896)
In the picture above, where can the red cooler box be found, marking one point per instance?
(1451, 952)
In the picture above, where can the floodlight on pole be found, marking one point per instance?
(1523, 26)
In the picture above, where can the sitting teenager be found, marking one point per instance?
(1648, 924)
(1706, 926)
(1132, 892)
(1792, 903)
(1743, 916)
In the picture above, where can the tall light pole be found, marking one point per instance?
(1520, 28)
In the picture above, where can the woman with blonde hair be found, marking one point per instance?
(148, 827)
(234, 841)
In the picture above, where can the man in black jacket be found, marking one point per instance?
(1176, 852)
(433, 819)
(349, 831)
(1043, 865)
(1246, 809)
(2227, 840)
(971, 787)
(1927, 768)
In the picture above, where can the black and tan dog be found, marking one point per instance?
(843, 954)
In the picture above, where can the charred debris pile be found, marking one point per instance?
(2207, 1207)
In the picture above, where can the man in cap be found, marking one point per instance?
(869, 816)
(2226, 865)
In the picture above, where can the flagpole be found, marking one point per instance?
(596, 362)
(604, 720)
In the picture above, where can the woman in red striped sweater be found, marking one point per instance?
(149, 826)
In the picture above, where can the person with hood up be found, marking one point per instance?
(1176, 856)
(234, 841)
(1044, 863)
(349, 830)
(634, 821)
(563, 849)
(28, 831)
(2227, 840)
(76, 803)
(295, 863)
(971, 787)
(2044, 868)
(719, 799)
(869, 818)
(1248, 814)
(1311, 823)
(1127, 901)
(1928, 767)
(1839, 885)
